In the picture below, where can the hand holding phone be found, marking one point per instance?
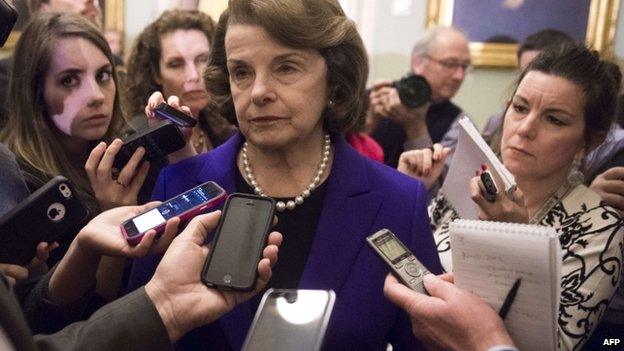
(47, 215)
(238, 242)
(186, 205)
(488, 187)
(158, 141)
(176, 116)
(402, 261)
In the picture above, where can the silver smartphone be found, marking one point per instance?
(403, 263)
(290, 320)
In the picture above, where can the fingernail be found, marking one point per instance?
(484, 167)
(477, 173)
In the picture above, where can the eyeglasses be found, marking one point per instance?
(451, 64)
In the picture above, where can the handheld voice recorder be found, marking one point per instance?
(402, 262)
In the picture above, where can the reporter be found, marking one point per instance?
(151, 318)
(562, 108)
(64, 102)
(450, 318)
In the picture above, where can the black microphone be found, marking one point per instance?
(8, 17)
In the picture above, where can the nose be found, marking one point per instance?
(460, 73)
(94, 92)
(528, 126)
(261, 91)
(192, 73)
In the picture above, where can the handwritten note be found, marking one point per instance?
(488, 257)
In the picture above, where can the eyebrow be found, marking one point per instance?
(78, 70)
(552, 109)
(276, 58)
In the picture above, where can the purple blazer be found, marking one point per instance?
(362, 197)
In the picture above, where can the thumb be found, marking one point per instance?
(439, 288)
(200, 226)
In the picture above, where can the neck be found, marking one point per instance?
(538, 191)
(76, 147)
(286, 171)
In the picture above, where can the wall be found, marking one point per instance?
(388, 40)
(484, 91)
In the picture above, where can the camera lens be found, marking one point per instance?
(414, 90)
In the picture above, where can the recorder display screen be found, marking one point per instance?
(175, 207)
(391, 248)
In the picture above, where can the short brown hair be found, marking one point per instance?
(143, 63)
(310, 24)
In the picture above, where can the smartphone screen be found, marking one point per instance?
(177, 206)
(239, 241)
(291, 320)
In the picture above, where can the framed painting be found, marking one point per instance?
(496, 27)
(112, 19)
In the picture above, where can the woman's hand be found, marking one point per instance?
(502, 209)
(102, 235)
(156, 99)
(111, 192)
(13, 273)
(37, 266)
(424, 164)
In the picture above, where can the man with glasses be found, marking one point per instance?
(442, 57)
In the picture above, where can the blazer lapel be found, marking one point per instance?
(349, 210)
(221, 167)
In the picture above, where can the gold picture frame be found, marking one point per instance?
(600, 33)
(112, 10)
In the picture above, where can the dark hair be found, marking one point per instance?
(143, 63)
(313, 24)
(599, 79)
(543, 40)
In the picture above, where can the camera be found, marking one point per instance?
(414, 90)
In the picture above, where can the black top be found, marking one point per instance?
(391, 136)
(298, 227)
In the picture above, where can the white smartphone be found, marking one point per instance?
(290, 320)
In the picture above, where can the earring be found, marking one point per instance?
(576, 177)
(331, 103)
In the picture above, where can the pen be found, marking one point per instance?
(509, 299)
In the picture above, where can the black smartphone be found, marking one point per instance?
(490, 190)
(186, 206)
(178, 117)
(290, 320)
(8, 17)
(46, 215)
(158, 141)
(241, 235)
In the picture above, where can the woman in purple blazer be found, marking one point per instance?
(292, 75)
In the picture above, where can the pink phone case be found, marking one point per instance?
(197, 210)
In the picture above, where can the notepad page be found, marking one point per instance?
(471, 152)
(488, 257)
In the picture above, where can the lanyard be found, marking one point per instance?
(550, 203)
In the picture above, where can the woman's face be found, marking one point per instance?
(544, 127)
(183, 59)
(79, 90)
(279, 93)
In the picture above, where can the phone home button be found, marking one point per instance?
(413, 270)
(227, 279)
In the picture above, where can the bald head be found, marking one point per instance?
(442, 57)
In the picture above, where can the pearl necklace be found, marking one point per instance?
(297, 200)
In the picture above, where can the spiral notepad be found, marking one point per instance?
(488, 257)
